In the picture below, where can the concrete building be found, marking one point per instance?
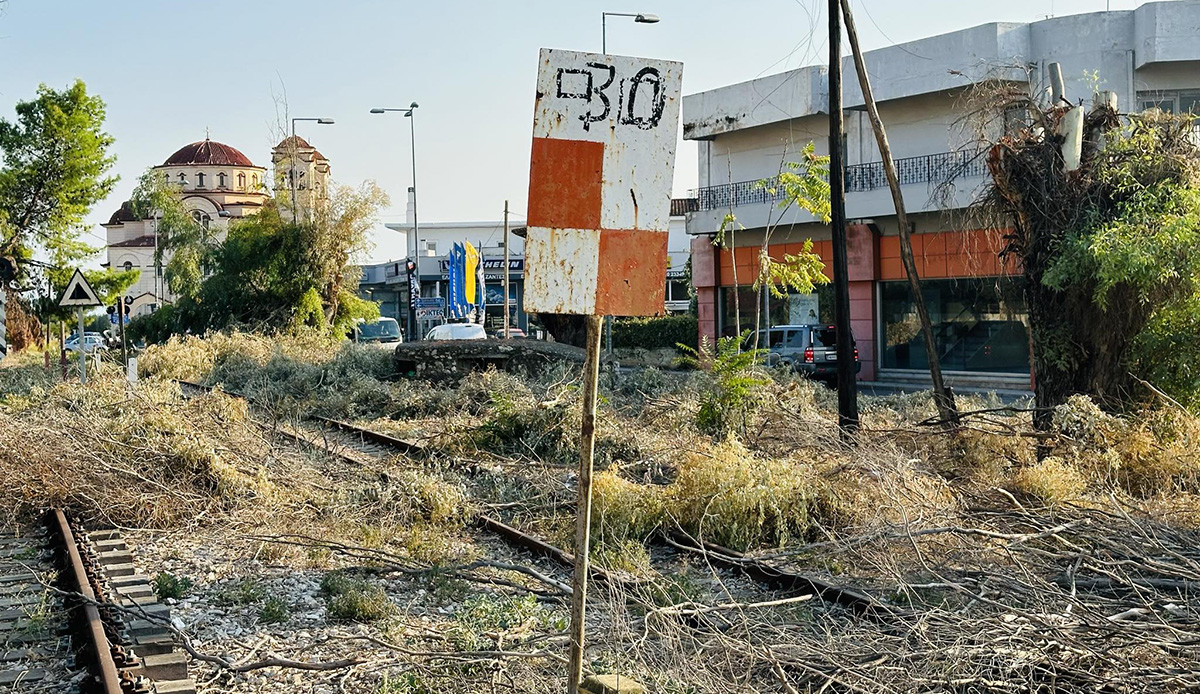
(217, 183)
(1149, 57)
(387, 282)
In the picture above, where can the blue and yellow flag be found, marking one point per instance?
(470, 278)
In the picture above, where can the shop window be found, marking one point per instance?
(979, 325)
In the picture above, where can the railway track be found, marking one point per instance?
(350, 442)
(75, 617)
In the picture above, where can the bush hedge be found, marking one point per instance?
(656, 333)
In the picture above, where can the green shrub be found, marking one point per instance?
(665, 332)
(168, 585)
(274, 611)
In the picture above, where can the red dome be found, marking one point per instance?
(209, 153)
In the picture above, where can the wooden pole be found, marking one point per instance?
(847, 383)
(583, 514)
(943, 398)
(506, 270)
(82, 349)
(62, 348)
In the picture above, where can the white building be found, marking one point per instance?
(217, 183)
(1148, 57)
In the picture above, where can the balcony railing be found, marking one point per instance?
(930, 168)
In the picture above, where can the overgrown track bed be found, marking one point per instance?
(77, 618)
(351, 441)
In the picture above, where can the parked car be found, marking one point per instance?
(512, 332)
(807, 349)
(457, 331)
(384, 331)
(92, 342)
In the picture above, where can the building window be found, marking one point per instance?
(200, 180)
(431, 247)
(979, 324)
(201, 218)
(1171, 101)
(221, 179)
(255, 179)
(241, 181)
(793, 309)
(182, 178)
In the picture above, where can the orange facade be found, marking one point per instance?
(943, 254)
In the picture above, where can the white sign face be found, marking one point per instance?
(79, 293)
(601, 169)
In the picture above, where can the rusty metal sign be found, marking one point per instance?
(600, 174)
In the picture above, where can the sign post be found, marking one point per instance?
(604, 132)
(80, 295)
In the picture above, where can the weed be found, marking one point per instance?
(1050, 481)
(484, 617)
(407, 683)
(351, 598)
(245, 591)
(274, 611)
(168, 585)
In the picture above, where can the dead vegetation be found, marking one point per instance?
(1000, 573)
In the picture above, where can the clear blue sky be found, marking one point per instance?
(168, 70)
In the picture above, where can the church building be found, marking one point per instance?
(217, 184)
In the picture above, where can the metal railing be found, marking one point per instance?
(929, 168)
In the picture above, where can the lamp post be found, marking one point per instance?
(640, 18)
(416, 256)
(292, 158)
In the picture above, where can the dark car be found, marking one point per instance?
(807, 349)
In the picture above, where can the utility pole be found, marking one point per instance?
(506, 270)
(847, 385)
(121, 327)
(943, 398)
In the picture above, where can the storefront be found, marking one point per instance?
(975, 304)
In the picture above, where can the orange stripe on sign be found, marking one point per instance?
(565, 179)
(633, 272)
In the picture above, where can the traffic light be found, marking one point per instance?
(410, 266)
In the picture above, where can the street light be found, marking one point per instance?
(412, 301)
(292, 156)
(640, 18)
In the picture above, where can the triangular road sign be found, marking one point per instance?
(79, 293)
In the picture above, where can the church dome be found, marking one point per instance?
(207, 152)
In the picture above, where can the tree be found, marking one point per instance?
(55, 161)
(1110, 252)
(268, 272)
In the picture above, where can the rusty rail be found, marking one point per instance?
(98, 645)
